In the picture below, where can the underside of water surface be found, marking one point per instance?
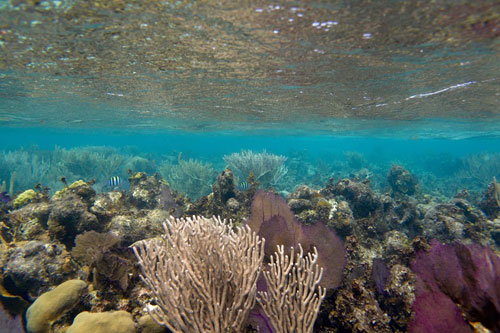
(379, 119)
(332, 67)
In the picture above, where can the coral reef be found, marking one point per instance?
(24, 198)
(70, 215)
(367, 231)
(361, 198)
(455, 220)
(489, 204)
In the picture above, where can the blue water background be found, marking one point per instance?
(208, 145)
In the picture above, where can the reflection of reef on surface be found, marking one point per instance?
(150, 57)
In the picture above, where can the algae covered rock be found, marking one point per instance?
(134, 228)
(360, 196)
(69, 217)
(341, 218)
(27, 223)
(489, 203)
(104, 322)
(455, 220)
(80, 188)
(224, 189)
(108, 204)
(53, 304)
(33, 267)
(402, 181)
(145, 192)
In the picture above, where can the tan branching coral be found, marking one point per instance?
(293, 295)
(202, 274)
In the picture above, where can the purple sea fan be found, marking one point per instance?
(380, 273)
(331, 252)
(272, 219)
(436, 312)
(469, 275)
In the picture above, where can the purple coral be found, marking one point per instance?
(272, 219)
(436, 312)
(469, 275)
(380, 273)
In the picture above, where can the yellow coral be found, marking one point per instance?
(24, 198)
(78, 183)
(74, 185)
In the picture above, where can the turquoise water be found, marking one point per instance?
(444, 166)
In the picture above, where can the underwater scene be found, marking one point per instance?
(249, 166)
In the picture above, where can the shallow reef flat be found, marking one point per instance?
(383, 253)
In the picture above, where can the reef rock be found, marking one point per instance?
(310, 206)
(69, 217)
(107, 205)
(145, 192)
(224, 188)
(360, 196)
(489, 203)
(340, 217)
(131, 229)
(28, 222)
(455, 220)
(402, 181)
(31, 269)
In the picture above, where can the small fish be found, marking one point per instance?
(244, 186)
(114, 182)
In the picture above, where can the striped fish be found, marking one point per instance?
(114, 182)
(243, 186)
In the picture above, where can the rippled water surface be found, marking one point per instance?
(422, 68)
